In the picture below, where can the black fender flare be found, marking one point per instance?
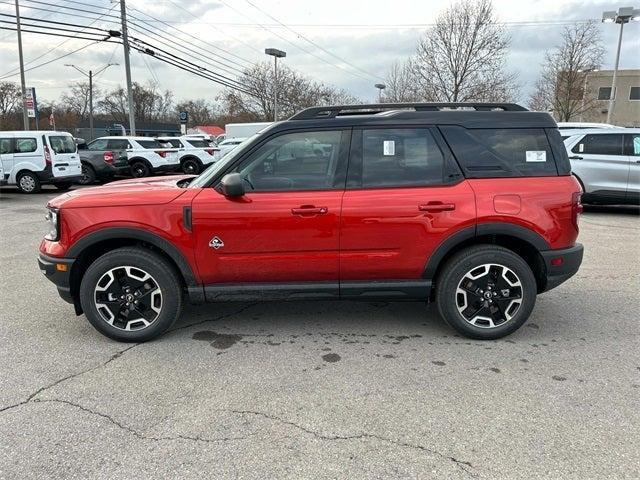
(481, 229)
(136, 234)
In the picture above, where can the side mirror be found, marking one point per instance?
(232, 185)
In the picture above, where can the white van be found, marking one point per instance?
(31, 159)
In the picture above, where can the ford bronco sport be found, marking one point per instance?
(472, 206)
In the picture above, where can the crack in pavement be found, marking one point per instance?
(216, 319)
(463, 465)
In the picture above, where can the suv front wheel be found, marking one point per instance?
(486, 292)
(131, 294)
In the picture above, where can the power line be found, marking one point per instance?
(314, 43)
(63, 6)
(49, 11)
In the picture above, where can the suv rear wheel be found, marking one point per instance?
(131, 294)
(140, 169)
(486, 292)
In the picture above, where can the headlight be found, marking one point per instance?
(53, 219)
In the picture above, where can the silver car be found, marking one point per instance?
(607, 164)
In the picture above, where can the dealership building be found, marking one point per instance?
(626, 108)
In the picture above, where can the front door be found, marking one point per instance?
(285, 229)
(632, 149)
(6, 155)
(403, 198)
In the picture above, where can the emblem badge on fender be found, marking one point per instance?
(216, 243)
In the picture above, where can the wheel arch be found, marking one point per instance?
(520, 240)
(89, 248)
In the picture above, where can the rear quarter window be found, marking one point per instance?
(501, 152)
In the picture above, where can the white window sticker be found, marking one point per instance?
(536, 156)
(389, 147)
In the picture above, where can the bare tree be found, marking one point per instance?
(295, 92)
(561, 85)
(402, 84)
(461, 58)
(77, 99)
(201, 111)
(151, 105)
(9, 105)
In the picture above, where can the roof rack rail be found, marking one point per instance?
(334, 111)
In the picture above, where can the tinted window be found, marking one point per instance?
(199, 143)
(5, 145)
(501, 152)
(62, 144)
(294, 161)
(26, 145)
(118, 144)
(99, 144)
(632, 144)
(400, 157)
(604, 93)
(634, 93)
(604, 144)
(149, 143)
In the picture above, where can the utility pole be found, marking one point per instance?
(23, 83)
(90, 75)
(276, 54)
(127, 66)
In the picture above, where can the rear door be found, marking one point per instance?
(632, 149)
(6, 155)
(65, 161)
(599, 161)
(405, 195)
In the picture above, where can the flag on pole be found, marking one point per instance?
(52, 121)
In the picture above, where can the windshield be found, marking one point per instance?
(220, 165)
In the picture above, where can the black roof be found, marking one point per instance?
(468, 115)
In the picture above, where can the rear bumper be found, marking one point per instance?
(58, 271)
(46, 177)
(561, 264)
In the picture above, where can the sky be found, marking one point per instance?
(348, 44)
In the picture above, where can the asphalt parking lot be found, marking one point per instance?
(323, 389)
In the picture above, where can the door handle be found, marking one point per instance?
(434, 207)
(309, 210)
(575, 157)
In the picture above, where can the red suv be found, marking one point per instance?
(470, 205)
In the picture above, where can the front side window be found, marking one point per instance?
(294, 161)
(399, 157)
(62, 144)
(604, 144)
(26, 145)
(632, 144)
(99, 144)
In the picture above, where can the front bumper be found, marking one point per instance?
(561, 264)
(58, 270)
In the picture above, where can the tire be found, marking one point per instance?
(28, 182)
(112, 309)
(88, 175)
(140, 169)
(486, 292)
(62, 186)
(192, 166)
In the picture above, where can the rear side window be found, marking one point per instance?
(400, 157)
(501, 152)
(118, 144)
(5, 146)
(62, 144)
(26, 145)
(149, 143)
(601, 144)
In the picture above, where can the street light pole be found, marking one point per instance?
(90, 75)
(23, 83)
(275, 53)
(622, 16)
(127, 67)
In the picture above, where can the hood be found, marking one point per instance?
(132, 192)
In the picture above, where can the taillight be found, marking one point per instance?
(108, 157)
(576, 208)
(47, 155)
(210, 151)
(162, 153)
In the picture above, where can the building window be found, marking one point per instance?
(634, 93)
(604, 93)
